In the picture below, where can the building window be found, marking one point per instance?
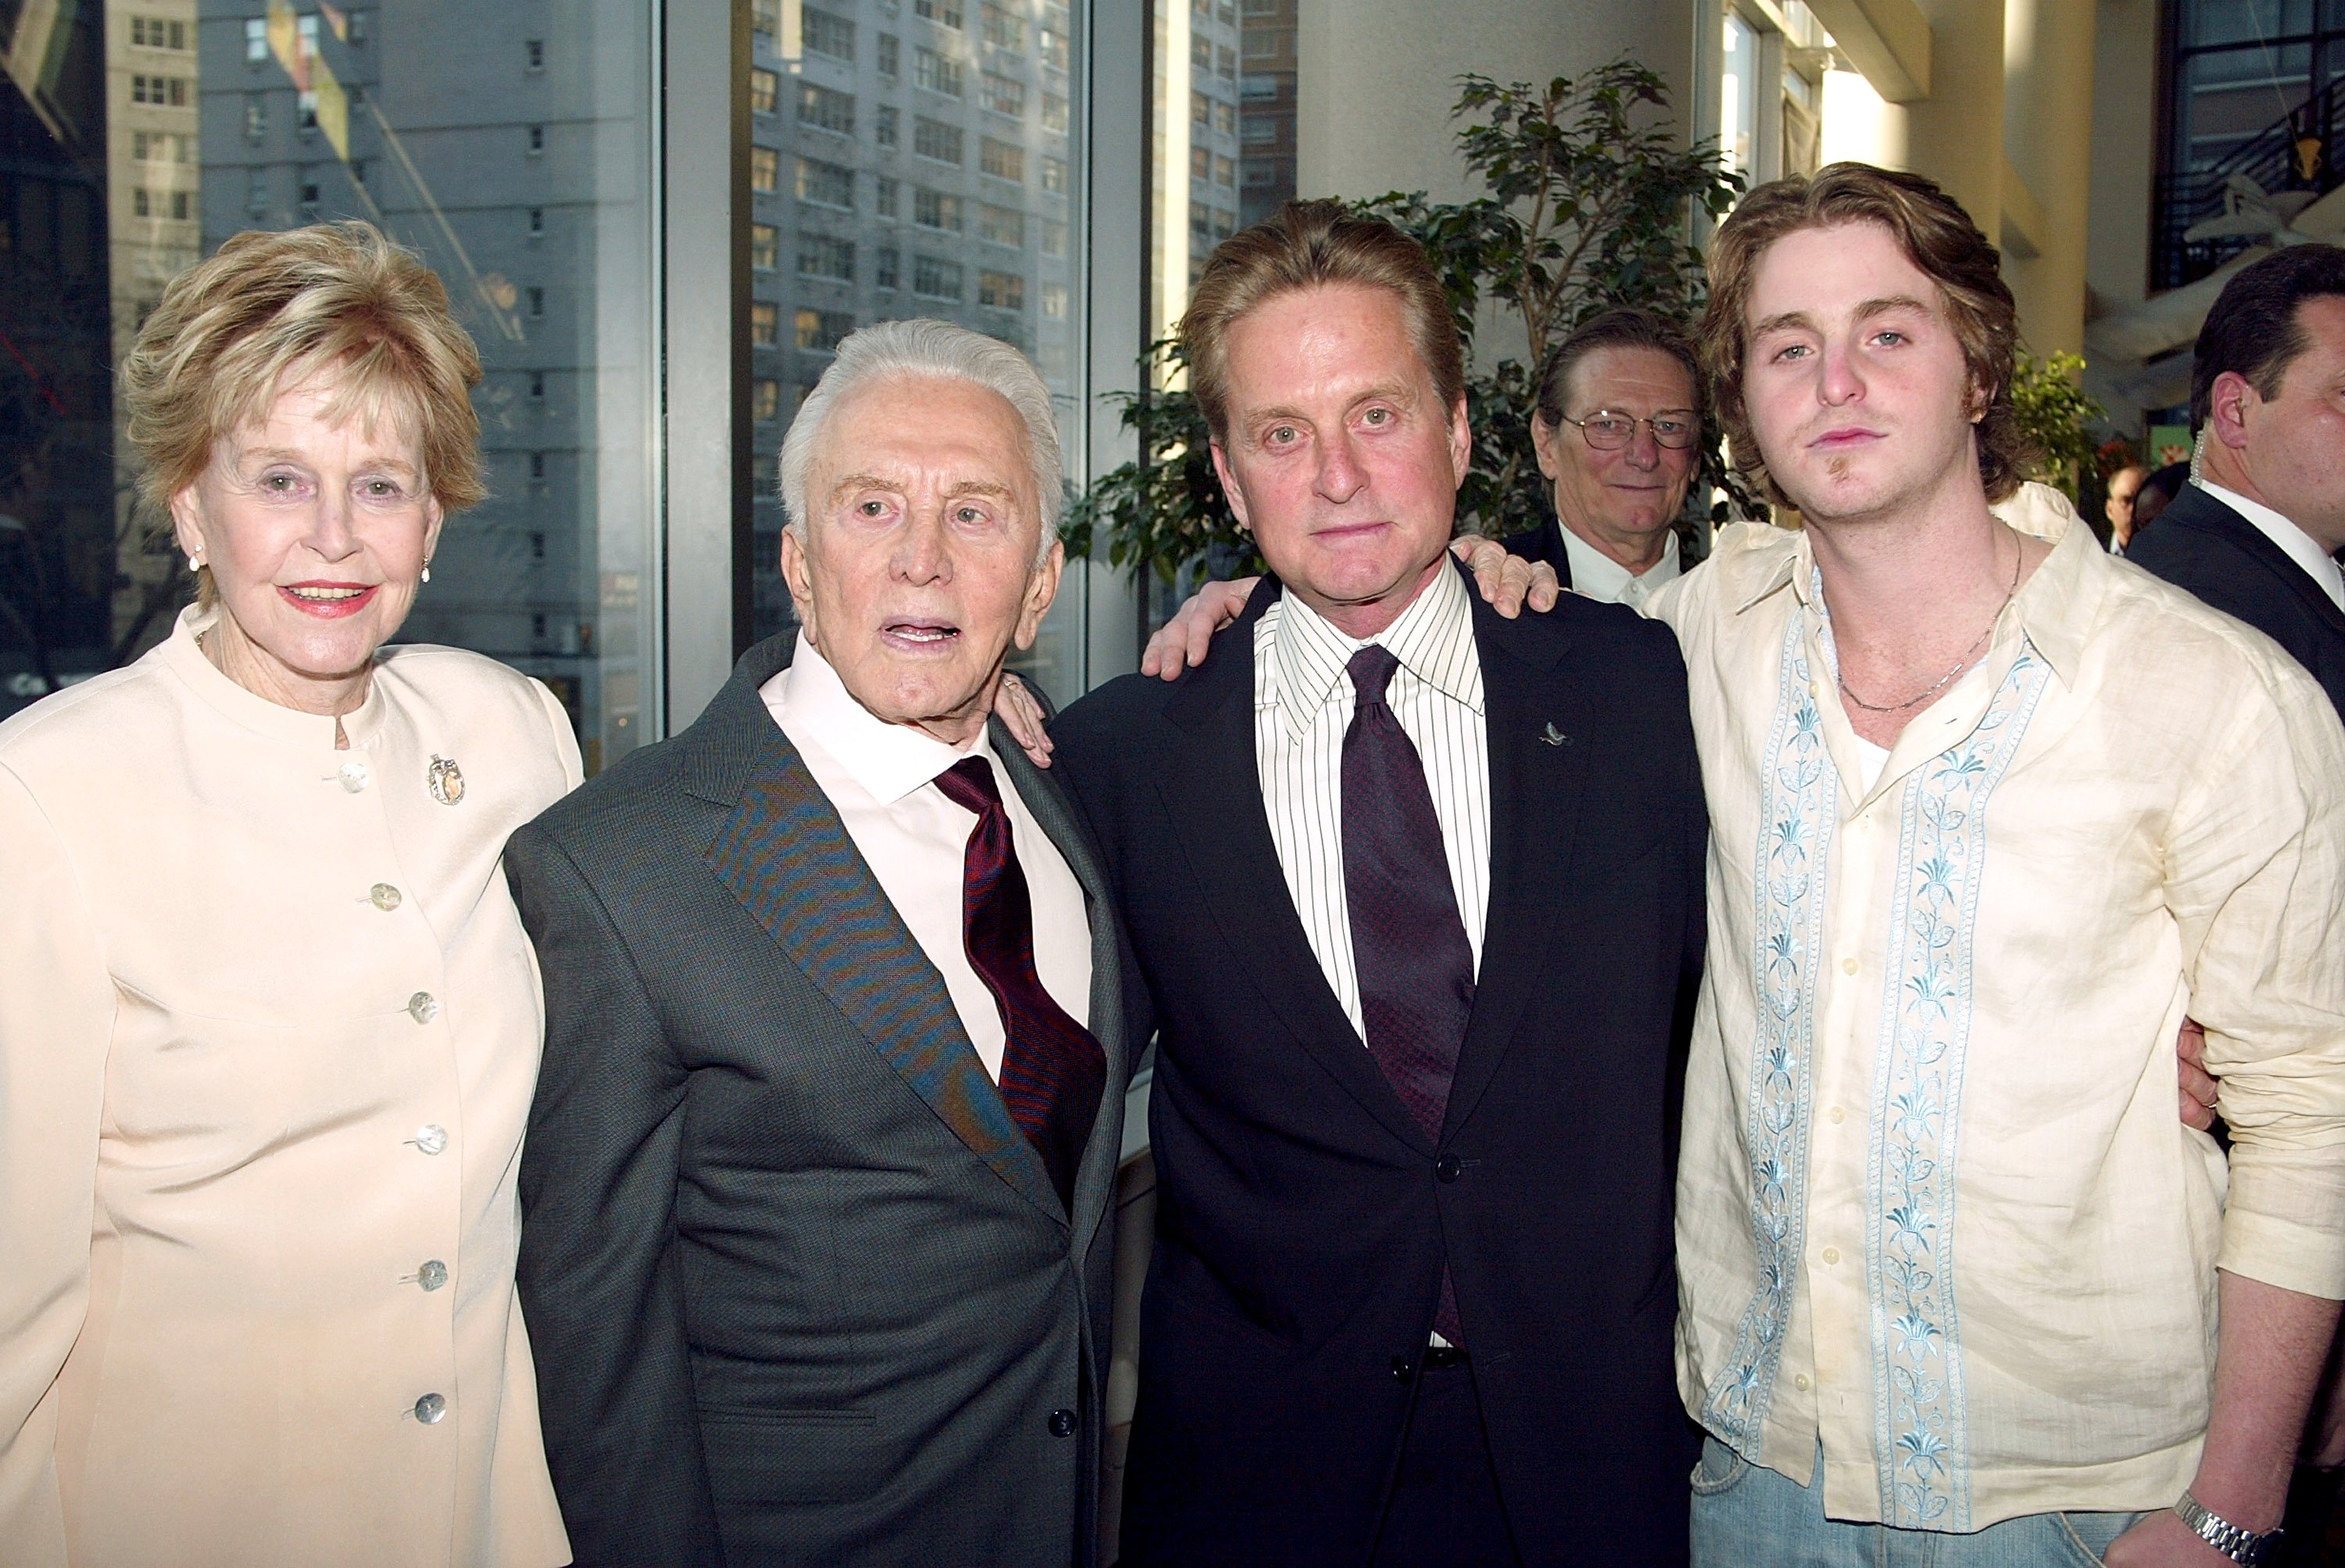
(1051, 43)
(765, 22)
(1001, 159)
(825, 110)
(883, 125)
(537, 385)
(1054, 176)
(821, 331)
(1225, 171)
(1003, 94)
(157, 33)
(537, 303)
(255, 40)
(935, 278)
(1225, 118)
(765, 400)
(765, 247)
(888, 57)
(1001, 226)
(1201, 108)
(532, 53)
(935, 210)
(764, 168)
(537, 547)
(1201, 163)
(256, 194)
(937, 73)
(1055, 114)
(1054, 301)
(537, 465)
(1257, 90)
(943, 13)
(1001, 290)
(536, 140)
(884, 202)
(1054, 239)
(765, 323)
(936, 140)
(821, 256)
(1201, 52)
(167, 92)
(828, 35)
(765, 88)
(825, 184)
(883, 267)
(1226, 62)
(255, 116)
(140, 202)
(536, 221)
(1003, 28)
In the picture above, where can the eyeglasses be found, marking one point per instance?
(1676, 429)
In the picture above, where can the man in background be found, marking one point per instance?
(2125, 486)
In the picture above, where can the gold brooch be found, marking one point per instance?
(447, 780)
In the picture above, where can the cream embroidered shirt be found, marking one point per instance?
(1934, 1209)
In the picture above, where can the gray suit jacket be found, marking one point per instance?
(799, 1291)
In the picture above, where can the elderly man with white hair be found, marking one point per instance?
(816, 1254)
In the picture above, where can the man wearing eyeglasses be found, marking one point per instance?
(1616, 429)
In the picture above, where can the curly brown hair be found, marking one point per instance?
(1936, 235)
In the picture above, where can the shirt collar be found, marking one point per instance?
(1600, 577)
(2301, 547)
(1433, 639)
(887, 761)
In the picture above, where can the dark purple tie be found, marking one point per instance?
(1053, 1071)
(1409, 945)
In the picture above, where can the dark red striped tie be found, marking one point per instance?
(1053, 1071)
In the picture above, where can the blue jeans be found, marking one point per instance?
(1747, 1516)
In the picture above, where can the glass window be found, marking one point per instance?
(827, 256)
(765, 398)
(822, 331)
(937, 73)
(765, 323)
(1054, 301)
(944, 12)
(154, 152)
(825, 184)
(1054, 176)
(1054, 239)
(1201, 108)
(1201, 163)
(1225, 118)
(765, 88)
(884, 266)
(1201, 51)
(883, 126)
(828, 35)
(765, 22)
(936, 140)
(935, 277)
(824, 109)
(887, 56)
(1001, 290)
(936, 209)
(1003, 94)
(1226, 62)
(765, 247)
(764, 168)
(1003, 28)
(1002, 225)
(1055, 114)
(1050, 42)
(1001, 159)
(884, 197)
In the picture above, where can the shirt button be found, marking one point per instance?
(1832, 1254)
(1447, 1166)
(432, 1139)
(432, 1274)
(1062, 1423)
(385, 897)
(1848, 966)
(354, 775)
(430, 1408)
(1836, 1115)
(423, 1007)
(1801, 1380)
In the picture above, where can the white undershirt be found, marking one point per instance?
(880, 778)
(1870, 761)
(2302, 547)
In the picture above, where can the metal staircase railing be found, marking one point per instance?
(2299, 151)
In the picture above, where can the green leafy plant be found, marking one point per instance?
(1589, 200)
(2056, 416)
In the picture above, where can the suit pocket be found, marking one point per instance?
(759, 1457)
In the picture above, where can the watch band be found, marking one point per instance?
(2242, 1545)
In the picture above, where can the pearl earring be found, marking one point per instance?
(427, 571)
(195, 562)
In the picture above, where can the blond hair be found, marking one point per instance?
(1936, 235)
(1307, 245)
(233, 334)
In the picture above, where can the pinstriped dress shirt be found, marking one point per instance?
(1303, 703)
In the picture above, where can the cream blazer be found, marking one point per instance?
(268, 1032)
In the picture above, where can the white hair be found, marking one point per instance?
(927, 348)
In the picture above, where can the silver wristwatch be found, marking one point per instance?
(2242, 1545)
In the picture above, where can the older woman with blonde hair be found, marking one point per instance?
(271, 1025)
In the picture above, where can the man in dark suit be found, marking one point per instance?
(816, 1257)
(1616, 432)
(2255, 532)
(1417, 898)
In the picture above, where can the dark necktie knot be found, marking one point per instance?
(970, 784)
(1372, 670)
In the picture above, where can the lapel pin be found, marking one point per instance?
(447, 780)
(1555, 736)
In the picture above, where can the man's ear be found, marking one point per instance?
(1041, 589)
(1543, 447)
(2228, 404)
(1461, 442)
(1229, 488)
(798, 573)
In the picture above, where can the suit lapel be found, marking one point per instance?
(1535, 790)
(1212, 789)
(2247, 536)
(1056, 819)
(786, 856)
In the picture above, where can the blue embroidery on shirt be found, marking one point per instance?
(1797, 811)
(1920, 1440)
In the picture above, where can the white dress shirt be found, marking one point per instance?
(1934, 1214)
(881, 780)
(2302, 547)
(1597, 575)
(1303, 703)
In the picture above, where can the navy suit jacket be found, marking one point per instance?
(1303, 1216)
(2199, 544)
